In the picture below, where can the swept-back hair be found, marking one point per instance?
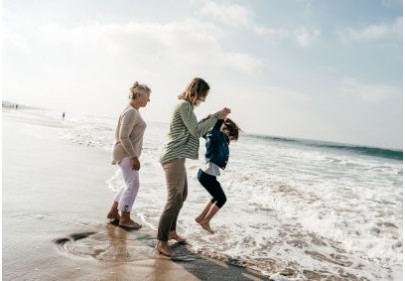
(232, 128)
(138, 89)
(197, 89)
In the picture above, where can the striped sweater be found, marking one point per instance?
(184, 133)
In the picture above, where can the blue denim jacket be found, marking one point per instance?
(217, 146)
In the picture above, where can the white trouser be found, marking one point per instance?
(126, 196)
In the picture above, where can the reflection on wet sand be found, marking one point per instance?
(113, 244)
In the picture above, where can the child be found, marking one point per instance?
(217, 154)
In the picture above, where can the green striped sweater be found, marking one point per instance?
(184, 133)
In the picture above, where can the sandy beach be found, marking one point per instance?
(54, 203)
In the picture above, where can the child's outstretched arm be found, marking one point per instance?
(214, 129)
(218, 125)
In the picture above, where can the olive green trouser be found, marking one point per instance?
(176, 181)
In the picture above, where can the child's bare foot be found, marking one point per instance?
(173, 235)
(164, 249)
(198, 219)
(207, 227)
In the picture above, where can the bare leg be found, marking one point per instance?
(126, 221)
(113, 213)
(205, 223)
(204, 212)
(163, 248)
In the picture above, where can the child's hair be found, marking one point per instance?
(232, 128)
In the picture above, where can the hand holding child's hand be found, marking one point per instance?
(224, 113)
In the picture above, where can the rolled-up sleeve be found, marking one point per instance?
(197, 129)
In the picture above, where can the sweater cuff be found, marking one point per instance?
(216, 116)
(132, 156)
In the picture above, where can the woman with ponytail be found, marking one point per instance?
(183, 142)
(126, 152)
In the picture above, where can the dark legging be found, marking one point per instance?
(214, 188)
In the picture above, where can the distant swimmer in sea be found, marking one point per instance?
(216, 156)
(63, 116)
(182, 142)
(126, 152)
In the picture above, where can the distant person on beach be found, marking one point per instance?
(16, 106)
(183, 142)
(63, 115)
(126, 152)
(216, 156)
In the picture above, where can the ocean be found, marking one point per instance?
(302, 208)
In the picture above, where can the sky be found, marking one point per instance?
(312, 69)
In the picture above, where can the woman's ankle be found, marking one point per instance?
(126, 220)
(113, 215)
(163, 248)
(162, 244)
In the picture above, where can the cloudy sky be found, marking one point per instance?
(325, 70)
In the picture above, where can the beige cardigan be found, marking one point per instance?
(128, 135)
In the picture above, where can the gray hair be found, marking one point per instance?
(138, 89)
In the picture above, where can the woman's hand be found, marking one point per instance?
(224, 113)
(135, 164)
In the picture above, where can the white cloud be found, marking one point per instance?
(236, 15)
(229, 14)
(373, 93)
(190, 42)
(381, 31)
(286, 94)
(305, 37)
(307, 3)
(302, 36)
(89, 61)
(273, 33)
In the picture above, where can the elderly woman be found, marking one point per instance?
(126, 152)
(183, 142)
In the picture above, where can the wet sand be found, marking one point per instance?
(54, 203)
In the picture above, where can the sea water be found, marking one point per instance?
(295, 208)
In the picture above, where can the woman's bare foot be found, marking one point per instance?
(129, 224)
(207, 227)
(164, 249)
(173, 235)
(113, 213)
(113, 216)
